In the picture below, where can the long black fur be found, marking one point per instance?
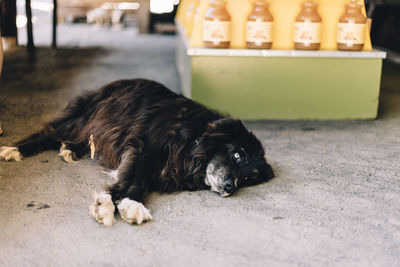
(158, 140)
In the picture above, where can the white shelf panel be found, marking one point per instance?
(201, 51)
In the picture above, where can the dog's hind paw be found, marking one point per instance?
(68, 155)
(103, 209)
(133, 212)
(8, 153)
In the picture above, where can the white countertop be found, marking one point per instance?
(202, 51)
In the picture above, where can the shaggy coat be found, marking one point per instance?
(156, 139)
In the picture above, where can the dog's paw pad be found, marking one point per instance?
(133, 212)
(8, 153)
(68, 155)
(103, 209)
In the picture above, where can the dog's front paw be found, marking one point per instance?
(8, 153)
(103, 209)
(133, 212)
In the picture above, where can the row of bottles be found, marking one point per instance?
(307, 27)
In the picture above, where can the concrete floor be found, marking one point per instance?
(335, 200)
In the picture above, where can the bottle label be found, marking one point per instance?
(259, 32)
(216, 31)
(307, 32)
(351, 33)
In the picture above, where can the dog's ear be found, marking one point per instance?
(229, 127)
(224, 123)
(233, 131)
(217, 134)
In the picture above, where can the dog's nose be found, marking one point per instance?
(229, 186)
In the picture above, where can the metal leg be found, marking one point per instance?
(30, 45)
(54, 40)
(144, 16)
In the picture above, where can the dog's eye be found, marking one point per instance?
(237, 157)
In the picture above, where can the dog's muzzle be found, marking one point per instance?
(229, 188)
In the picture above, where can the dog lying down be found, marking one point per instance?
(156, 140)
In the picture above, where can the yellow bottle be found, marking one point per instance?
(180, 14)
(351, 28)
(307, 28)
(217, 25)
(259, 26)
(190, 13)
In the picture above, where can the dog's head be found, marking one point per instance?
(232, 157)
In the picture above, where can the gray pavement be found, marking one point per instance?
(335, 200)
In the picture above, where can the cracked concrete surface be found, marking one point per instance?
(335, 200)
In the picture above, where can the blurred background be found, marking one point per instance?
(150, 16)
(74, 17)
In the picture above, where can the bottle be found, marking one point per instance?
(307, 28)
(351, 28)
(217, 25)
(189, 16)
(259, 26)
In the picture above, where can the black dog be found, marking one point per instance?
(156, 140)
